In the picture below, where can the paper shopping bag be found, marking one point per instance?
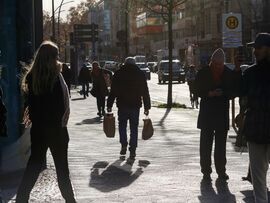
(148, 129)
(109, 125)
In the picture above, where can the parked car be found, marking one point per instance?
(88, 65)
(230, 65)
(178, 73)
(140, 59)
(152, 66)
(145, 69)
(110, 65)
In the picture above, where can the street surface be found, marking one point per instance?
(166, 168)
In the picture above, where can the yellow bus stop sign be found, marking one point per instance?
(232, 22)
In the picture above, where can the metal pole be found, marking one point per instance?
(53, 22)
(58, 23)
(127, 19)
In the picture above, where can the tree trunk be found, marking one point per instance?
(170, 41)
(127, 28)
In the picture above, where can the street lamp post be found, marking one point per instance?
(53, 22)
(126, 28)
(58, 22)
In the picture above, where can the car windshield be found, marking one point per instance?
(165, 66)
(141, 66)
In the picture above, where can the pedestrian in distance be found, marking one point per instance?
(48, 102)
(66, 72)
(216, 85)
(84, 80)
(101, 79)
(129, 88)
(191, 76)
(255, 88)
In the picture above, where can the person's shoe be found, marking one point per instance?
(123, 151)
(132, 155)
(223, 176)
(248, 178)
(99, 114)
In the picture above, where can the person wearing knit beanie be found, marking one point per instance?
(215, 86)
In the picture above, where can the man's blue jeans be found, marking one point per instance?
(131, 114)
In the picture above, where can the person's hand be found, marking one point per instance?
(146, 112)
(109, 109)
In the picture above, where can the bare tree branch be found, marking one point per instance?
(178, 3)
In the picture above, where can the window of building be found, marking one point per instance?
(207, 23)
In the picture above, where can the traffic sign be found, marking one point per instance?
(232, 30)
(86, 32)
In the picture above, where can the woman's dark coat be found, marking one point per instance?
(214, 111)
(47, 109)
(99, 88)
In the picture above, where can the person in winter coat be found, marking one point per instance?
(255, 88)
(85, 79)
(215, 86)
(101, 79)
(48, 102)
(129, 88)
(191, 76)
(66, 72)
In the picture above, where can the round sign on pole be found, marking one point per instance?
(232, 22)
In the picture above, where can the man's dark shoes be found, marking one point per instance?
(223, 176)
(123, 151)
(132, 155)
(248, 178)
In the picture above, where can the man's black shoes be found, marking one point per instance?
(123, 151)
(223, 176)
(132, 155)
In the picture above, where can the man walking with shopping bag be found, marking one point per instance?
(129, 88)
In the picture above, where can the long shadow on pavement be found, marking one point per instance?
(96, 120)
(161, 122)
(248, 196)
(77, 99)
(107, 177)
(222, 193)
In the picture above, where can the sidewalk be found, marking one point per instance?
(166, 168)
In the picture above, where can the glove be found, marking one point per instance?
(146, 112)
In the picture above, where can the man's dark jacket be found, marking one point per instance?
(256, 88)
(129, 87)
(214, 111)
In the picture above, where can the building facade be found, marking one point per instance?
(197, 23)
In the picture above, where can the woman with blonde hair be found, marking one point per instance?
(48, 101)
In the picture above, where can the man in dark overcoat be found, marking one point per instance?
(256, 90)
(215, 86)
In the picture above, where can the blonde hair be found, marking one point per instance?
(45, 68)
